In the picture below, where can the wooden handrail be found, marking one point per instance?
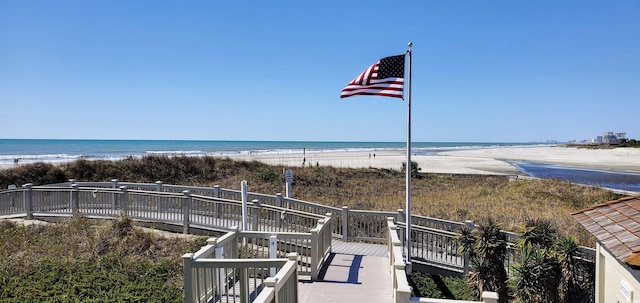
(143, 201)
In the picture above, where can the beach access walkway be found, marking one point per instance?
(354, 272)
(299, 251)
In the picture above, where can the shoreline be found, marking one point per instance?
(484, 161)
(622, 160)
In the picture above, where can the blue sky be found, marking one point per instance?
(483, 71)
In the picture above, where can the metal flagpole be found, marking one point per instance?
(408, 168)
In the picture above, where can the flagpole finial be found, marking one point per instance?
(410, 44)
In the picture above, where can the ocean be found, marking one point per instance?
(54, 151)
(59, 151)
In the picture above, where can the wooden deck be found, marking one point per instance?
(355, 272)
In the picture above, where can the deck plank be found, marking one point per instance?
(356, 273)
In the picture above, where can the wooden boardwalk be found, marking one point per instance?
(355, 272)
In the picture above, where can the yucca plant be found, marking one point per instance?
(526, 280)
(540, 232)
(548, 268)
(568, 254)
(487, 247)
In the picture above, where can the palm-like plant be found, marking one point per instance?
(526, 279)
(540, 232)
(547, 269)
(568, 253)
(536, 275)
(487, 248)
(467, 240)
(554, 265)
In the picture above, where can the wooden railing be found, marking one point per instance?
(433, 240)
(349, 224)
(401, 288)
(209, 276)
(239, 280)
(218, 209)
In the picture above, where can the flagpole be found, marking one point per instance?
(408, 168)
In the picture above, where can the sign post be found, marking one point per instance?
(288, 177)
(245, 214)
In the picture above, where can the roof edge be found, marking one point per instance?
(623, 199)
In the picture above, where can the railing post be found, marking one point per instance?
(28, 200)
(74, 203)
(401, 218)
(186, 211)
(401, 215)
(159, 198)
(236, 244)
(465, 260)
(293, 257)
(216, 191)
(330, 221)
(216, 205)
(394, 265)
(114, 196)
(245, 214)
(278, 204)
(272, 282)
(391, 228)
(273, 252)
(187, 259)
(255, 215)
(489, 297)
(124, 200)
(244, 285)
(315, 254)
(402, 292)
(345, 223)
(220, 273)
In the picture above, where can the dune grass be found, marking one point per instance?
(78, 262)
(451, 197)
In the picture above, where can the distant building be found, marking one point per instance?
(610, 138)
(621, 135)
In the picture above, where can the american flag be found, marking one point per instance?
(383, 78)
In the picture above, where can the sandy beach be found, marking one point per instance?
(486, 161)
(492, 161)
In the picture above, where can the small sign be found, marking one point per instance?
(12, 186)
(625, 291)
(288, 176)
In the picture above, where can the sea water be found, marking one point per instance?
(58, 151)
(24, 151)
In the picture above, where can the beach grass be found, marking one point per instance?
(77, 261)
(445, 196)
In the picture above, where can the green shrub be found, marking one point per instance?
(439, 287)
(77, 262)
(266, 174)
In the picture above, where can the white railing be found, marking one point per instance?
(434, 247)
(350, 229)
(433, 240)
(237, 280)
(219, 209)
(401, 288)
(208, 277)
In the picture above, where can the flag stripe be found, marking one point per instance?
(369, 83)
